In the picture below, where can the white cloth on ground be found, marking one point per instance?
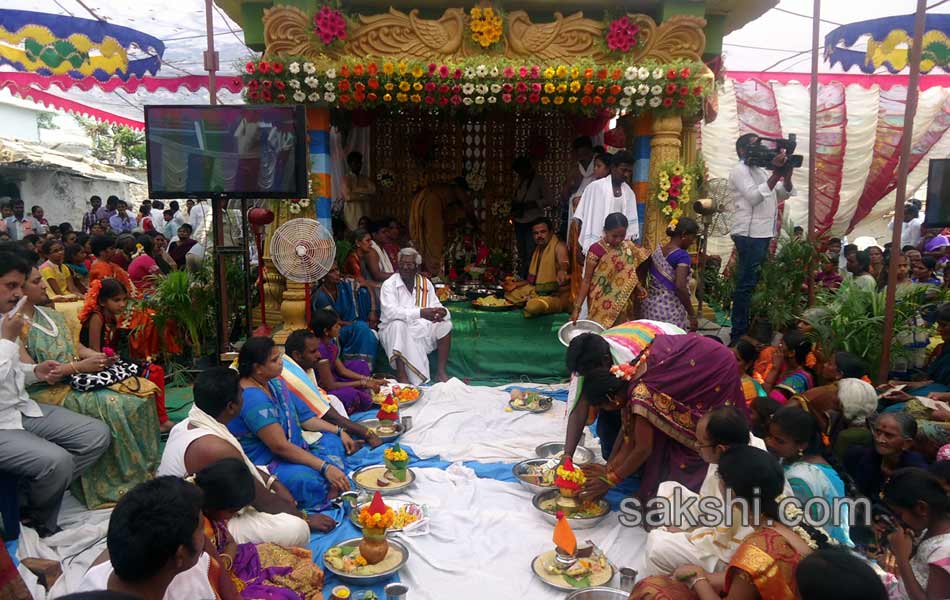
(710, 547)
(460, 422)
(485, 526)
(403, 333)
(192, 584)
(597, 202)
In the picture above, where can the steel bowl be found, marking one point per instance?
(582, 455)
(576, 522)
(366, 580)
(572, 329)
(521, 469)
(386, 491)
(374, 423)
(599, 593)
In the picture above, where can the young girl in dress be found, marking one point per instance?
(350, 380)
(105, 302)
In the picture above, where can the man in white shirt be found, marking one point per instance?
(413, 322)
(756, 194)
(910, 228)
(157, 211)
(46, 446)
(605, 196)
(196, 218)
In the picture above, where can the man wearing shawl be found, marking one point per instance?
(413, 322)
(547, 289)
(203, 439)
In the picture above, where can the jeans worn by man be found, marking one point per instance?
(750, 253)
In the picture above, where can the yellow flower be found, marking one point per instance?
(389, 87)
(401, 97)
(664, 176)
(561, 71)
(403, 68)
(663, 196)
(545, 100)
(416, 98)
(664, 185)
(487, 12)
(687, 179)
(548, 73)
(388, 68)
(417, 71)
(572, 100)
(404, 86)
(387, 98)
(561, 88)
(476, 12)
(673, 223)
(417, 86)
(575, 86)
(678, 170)
(360, 561)
(559, 100)
(575, 72)
(549, 88)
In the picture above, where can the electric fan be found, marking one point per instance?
(303, 252)
(717, 217)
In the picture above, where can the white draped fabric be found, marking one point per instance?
(863, 109)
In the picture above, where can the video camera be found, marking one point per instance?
(761, 155)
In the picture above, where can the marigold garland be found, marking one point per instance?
(569, 477)
(486, 25)
(377, 520)
(673, 187)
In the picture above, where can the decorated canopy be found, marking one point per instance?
(888, 44)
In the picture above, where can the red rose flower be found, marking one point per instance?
(698, 90)
(456, 89)
(372, 69)
(616, 74)
(281, 98)
(667, 102)
(615, 89)
(675, 191)
(263, 67)
(344, 85)
(358, 70)
(250, 67)
(265, 96)
(344, 98)
(457, 74)
(601, 90)
(344, 71)
(253, 84)
(252, 95)
(456, 100)
(360, 87)
(534, 98)
(597, 100)
(267, 84)
(611, 100)
(671, 74)
(430, 86)
(588, 89)
(585, 100)
(685, 73)
(681, 103)
(684, 91)
(443, 101)
(359, 96)
(521, 99)
(430, 100)
(506, 98)
(277, 68)
(443, 71)
(670, 88)
(507, 88)
(673, 204)
(432, 68)
(676, 180)
(588, 73)
(443, 89)
(280, 85)
(371, 97)
(602, 74)
(521, 87)
(373, 83)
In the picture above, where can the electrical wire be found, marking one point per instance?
(804, 16)
(762, 47)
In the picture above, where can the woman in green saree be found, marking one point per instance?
(128, 408)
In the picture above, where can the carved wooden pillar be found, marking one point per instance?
(665, 146)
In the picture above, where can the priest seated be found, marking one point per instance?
(548, 287)
(413, 322)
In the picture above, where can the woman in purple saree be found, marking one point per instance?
(662, 396)
(350, 380)
(668, 298)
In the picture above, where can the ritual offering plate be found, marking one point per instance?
(377, 478)
(343, 561)
(585, 573)
(530, 401)
(386, 431)
(493, 304)
(582, 456)
(583, 516)
(534, 475)
(407, 513)
(405, 394)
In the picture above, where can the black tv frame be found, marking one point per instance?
(933, 201)
(301, 178)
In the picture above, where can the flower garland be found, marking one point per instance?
(625, 371)
(486, 25)
(479, 84)
(381, 520)
(673, 187)
(623, 35)
(569, 477)
(386, 179)
(329, 25)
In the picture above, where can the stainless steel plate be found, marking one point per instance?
(582, 455)
(368, 579)
(576, 522)
(521, 468)
(374, 424)
(394, 487)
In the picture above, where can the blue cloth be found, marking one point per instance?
(750, 252)
(357, 340)
(259, 410)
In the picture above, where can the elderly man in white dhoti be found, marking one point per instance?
(413, 322)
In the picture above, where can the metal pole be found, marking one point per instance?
(813, 139)
(902, 169)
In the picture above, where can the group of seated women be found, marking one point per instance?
(683, 412)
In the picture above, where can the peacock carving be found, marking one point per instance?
(406, 35)
(565, 38)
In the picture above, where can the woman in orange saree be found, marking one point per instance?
(764, 564)
(610, 276)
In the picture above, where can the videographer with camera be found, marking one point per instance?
(756, 193)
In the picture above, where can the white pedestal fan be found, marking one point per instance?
(303, 252)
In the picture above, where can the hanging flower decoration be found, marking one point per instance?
(486, 25)
(672, 189)
(478, 84)
(296, 205)
(623, 35)
(386, 179)
(476, 179)
(329, 25)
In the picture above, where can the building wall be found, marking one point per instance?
(19, 123)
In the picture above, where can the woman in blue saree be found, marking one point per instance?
(270, 429)
(358, 312)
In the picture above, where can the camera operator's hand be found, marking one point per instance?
(780, 159)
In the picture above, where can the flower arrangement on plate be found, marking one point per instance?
(397, 461)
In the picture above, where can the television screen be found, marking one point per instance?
(938, 194)
(232, 151)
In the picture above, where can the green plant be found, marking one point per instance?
(780, 297)
(186, 300)
(115, 144)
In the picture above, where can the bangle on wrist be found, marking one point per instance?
(324, 468)
(692, 584)
(339, 430)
